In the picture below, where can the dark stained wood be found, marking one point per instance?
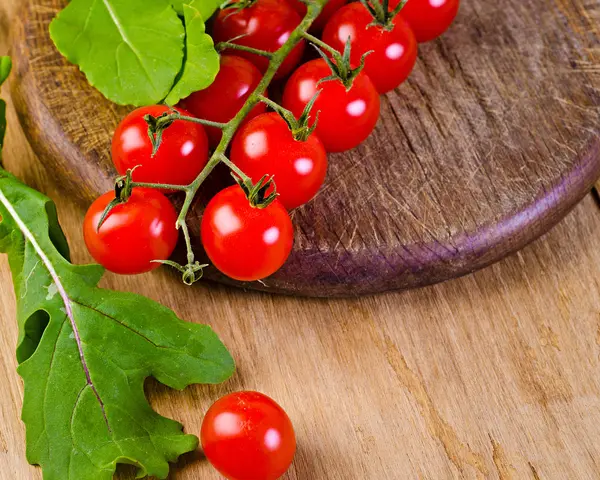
(491, 142)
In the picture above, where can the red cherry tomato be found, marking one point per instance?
(181, 156)
(244, 242)
(428, 18)
(331, 6)
(265, 25)
(247, 436)
(347, 117)
(266, 146)
(133, 234)
(394, 52)
(220, 102)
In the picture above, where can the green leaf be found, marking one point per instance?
(205, 7)
(5, 68)
(201, 60)
(85, 352)
(132, 51)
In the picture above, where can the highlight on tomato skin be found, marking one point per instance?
(266, 146)
(248, 436)
(429, 19)
(244, 242)
(236, 80)
(133, 234)
(182, 155)
(393, 53)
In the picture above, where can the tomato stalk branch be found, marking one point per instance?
(314, 9)
(243, 48)
(190, 272)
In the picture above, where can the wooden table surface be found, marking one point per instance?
(496, 375)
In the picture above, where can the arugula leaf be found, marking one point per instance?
(202, 60)
(5, 68)
(130, 50)
(136, 52)
(85, 352)
(205, 7)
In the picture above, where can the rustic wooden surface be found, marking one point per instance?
(491, 142)
(492, 376)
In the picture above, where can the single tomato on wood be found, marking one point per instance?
(393, 48)
(245, 242)
(220, 102)
(347, 116)
(182, 154)
(133, 234)
(264, 25)
(266, 146)
(248, 436)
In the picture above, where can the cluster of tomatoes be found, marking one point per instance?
(243, 240)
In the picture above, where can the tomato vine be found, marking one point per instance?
(192, 271)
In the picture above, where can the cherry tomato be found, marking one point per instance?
(265, 25)
(331, 6)
(266, 146)
(220, 102)
(394, 52)
(428, 18)
(244, 242)
(133, 234)
(247, 436)
(182, 155)
(347, 117)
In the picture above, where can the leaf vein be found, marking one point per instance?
(28, 235)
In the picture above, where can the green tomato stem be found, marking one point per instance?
(229, 128)
(207, 123)
(243, 48)
(159, 186)
(235, 169)
(321, 44)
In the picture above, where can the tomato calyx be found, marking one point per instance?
(123, 189)
(341, 68)
(339, 63)
(260, 194)
(157, 125)
(382, 16)
(191, 273)
(300, 127)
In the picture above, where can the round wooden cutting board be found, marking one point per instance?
(490, 143)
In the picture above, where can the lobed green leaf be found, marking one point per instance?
(5, 68)
(201, 59)
(85, 352)
(132, 51)
(205, 7)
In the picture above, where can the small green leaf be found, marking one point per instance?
(132, 51)
(85, 352)
(5, 67)
(201, 60)
(205, 7)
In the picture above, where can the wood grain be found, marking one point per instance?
(491, 142)
(493, 376)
